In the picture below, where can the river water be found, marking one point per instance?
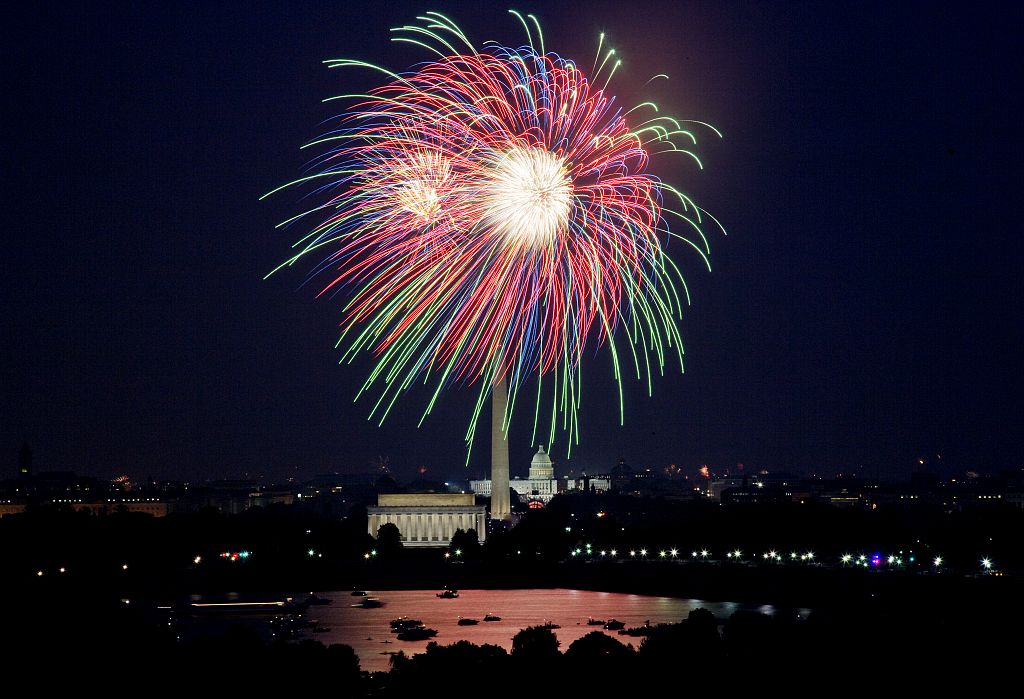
(367, 630)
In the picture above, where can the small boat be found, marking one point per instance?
(321, 629)
(448, 594)
(404, 621)
(591, 621)
(492, 617)
(614, 625)
(358, 593)
(369, 603)
(317, 599)
(468, 622)
(550, 625)
(418, 634)
(386, 641)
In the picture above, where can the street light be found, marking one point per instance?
(986, 563)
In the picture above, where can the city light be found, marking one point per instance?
(661, 553)
(643, 552)
(986, 563)
(736, 554)
(674, 552)
(937, 561)
(704, 553)
(846, 558)
(612, 552)
(124, 567)
(632, 553)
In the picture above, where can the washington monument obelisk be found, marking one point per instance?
(500, 505)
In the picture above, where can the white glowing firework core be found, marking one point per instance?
(528, 196)
(418, 198)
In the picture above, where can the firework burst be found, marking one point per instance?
(489, 214)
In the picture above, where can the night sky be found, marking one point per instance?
(863, 312)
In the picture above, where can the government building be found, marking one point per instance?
(538, 488)
(428, 519)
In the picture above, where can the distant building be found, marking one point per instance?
(428, 519)
(150, 506)
(595, 484)
(718, 485)
(8, 507)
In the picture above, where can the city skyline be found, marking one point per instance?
(863, 311)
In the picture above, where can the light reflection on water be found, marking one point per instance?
(366, 630)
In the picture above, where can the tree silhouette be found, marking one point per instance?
(535, 644)
(389, 540)
(599, 647)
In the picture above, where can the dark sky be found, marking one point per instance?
(865, 309)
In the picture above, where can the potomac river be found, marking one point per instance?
(368, 630)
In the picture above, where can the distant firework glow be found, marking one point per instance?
(489, 214)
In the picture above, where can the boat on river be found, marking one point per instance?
(420, 633)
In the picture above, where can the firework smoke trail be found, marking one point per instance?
(489, 214)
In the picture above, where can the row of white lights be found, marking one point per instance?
(737, 554)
